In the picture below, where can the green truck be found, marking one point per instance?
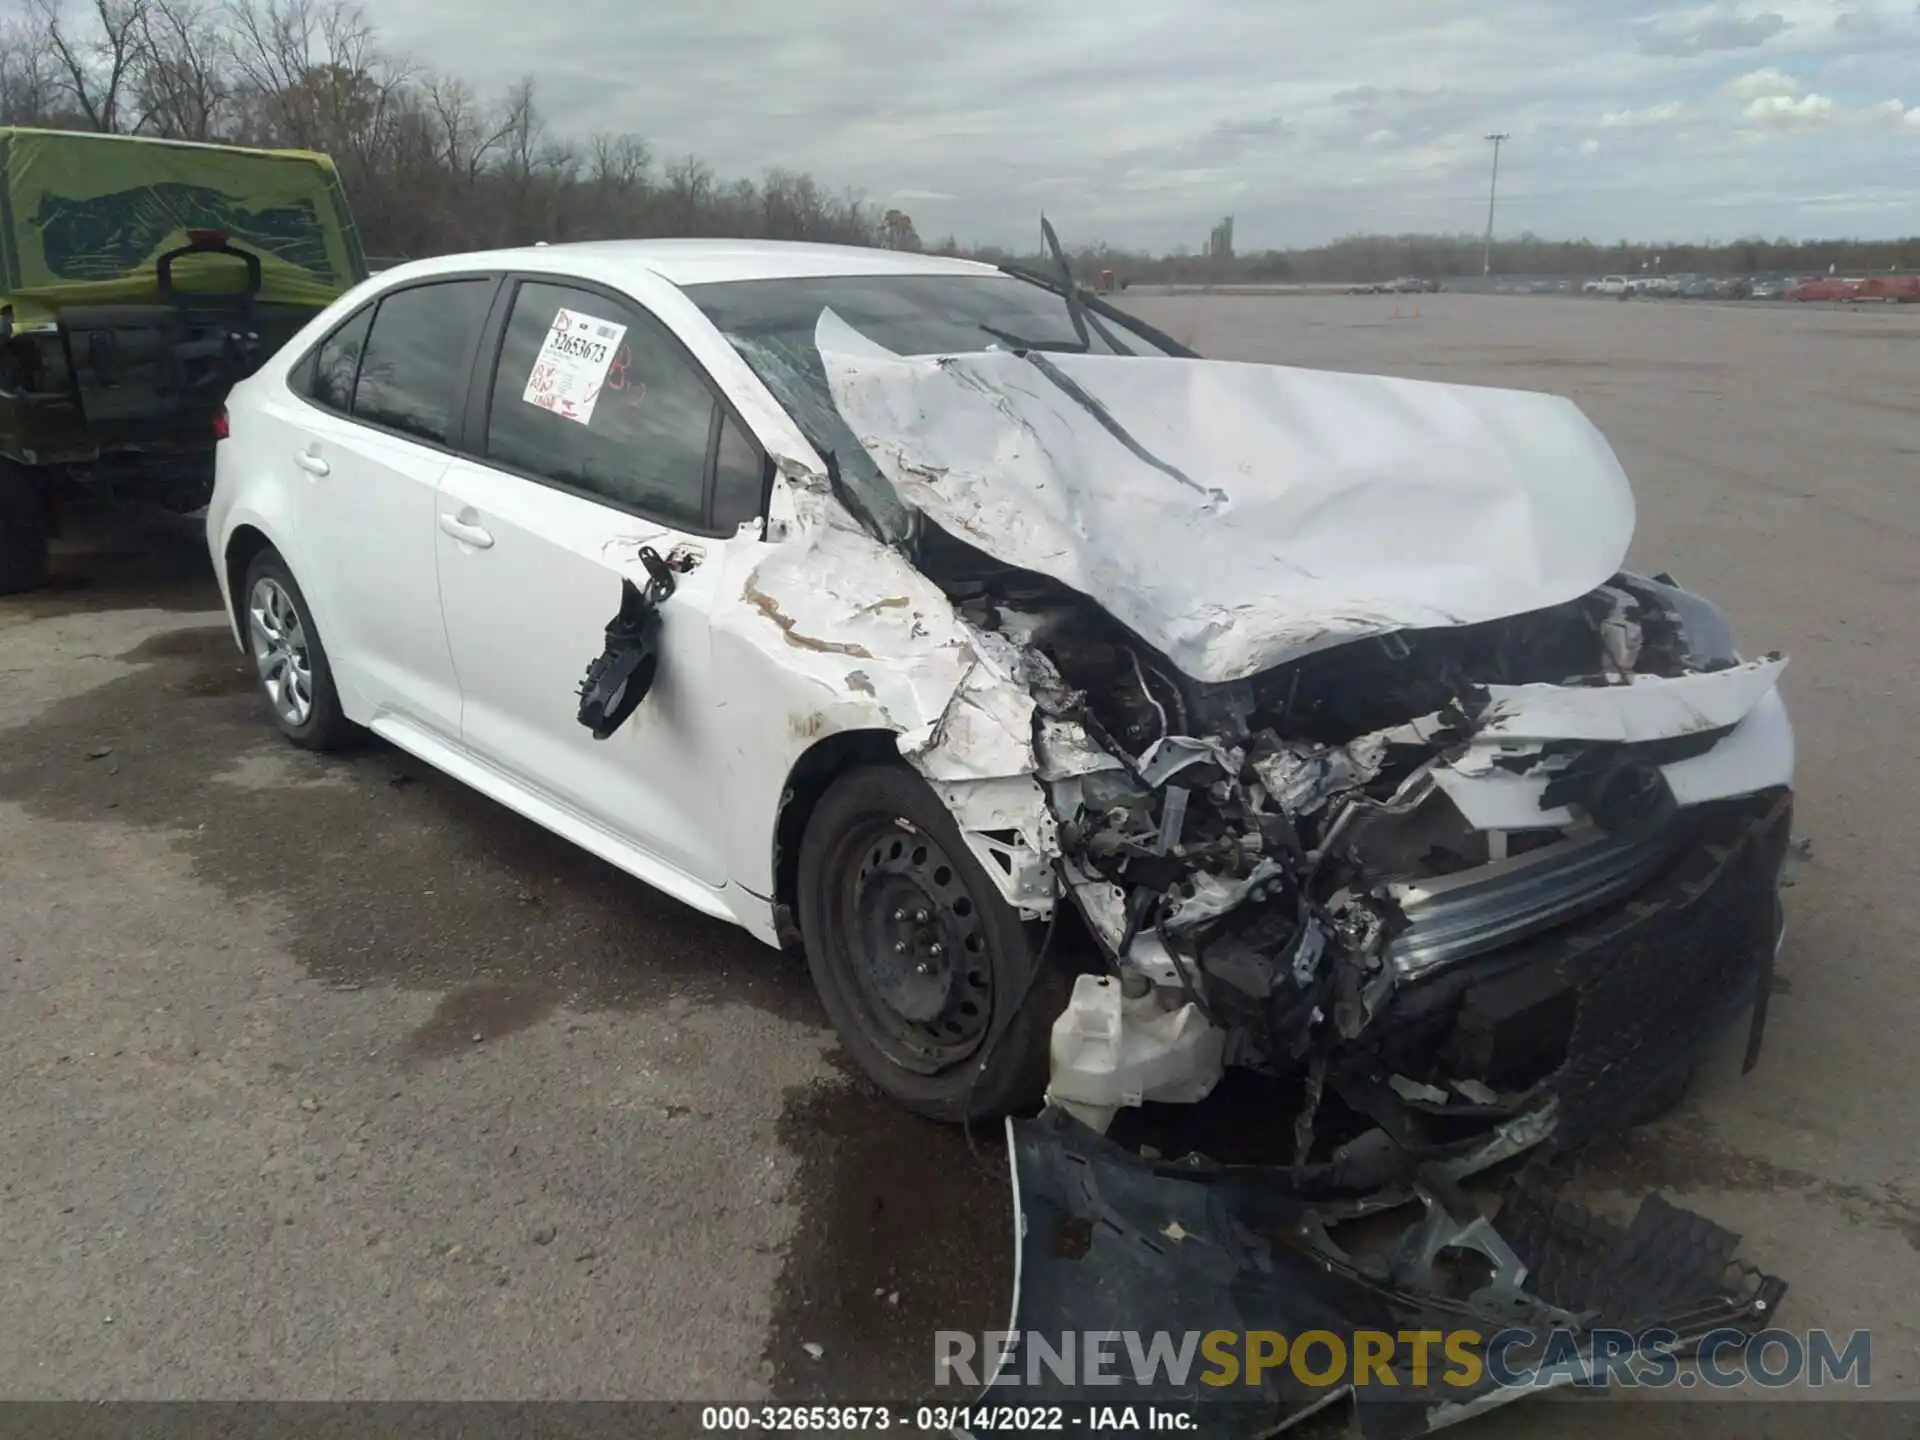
(139, 280)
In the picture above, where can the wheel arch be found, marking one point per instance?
(809, 778)
(244, 544)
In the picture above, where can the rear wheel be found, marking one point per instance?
(289, 662)
(926, 972)
(25, 528)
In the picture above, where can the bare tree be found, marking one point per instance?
(429, 163)
(182, 85)
(521, 130)
(467, 132)
(94, 72)
(617, 165)
(27, 83)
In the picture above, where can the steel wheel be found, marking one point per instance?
(278, 636)
(926, 971)
(921, 970)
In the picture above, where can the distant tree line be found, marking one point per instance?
(429, 164)
(1366, 258)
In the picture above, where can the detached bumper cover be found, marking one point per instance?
(1111, 1243)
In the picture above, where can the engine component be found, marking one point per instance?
(1111, 1048)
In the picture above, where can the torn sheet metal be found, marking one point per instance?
(1647, 707)
(1236, 516)
(871, 643)
(1758, 753)
(1300, 778)
(1110, 1243)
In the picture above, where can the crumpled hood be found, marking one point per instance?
(1236, 516)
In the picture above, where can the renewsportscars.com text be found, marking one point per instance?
(1462, 1358)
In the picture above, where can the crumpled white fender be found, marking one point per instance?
(874, 644)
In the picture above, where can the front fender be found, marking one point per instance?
(830, 632)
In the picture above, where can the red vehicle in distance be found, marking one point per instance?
(1826, 287)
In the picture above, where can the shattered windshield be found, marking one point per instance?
(771, 323)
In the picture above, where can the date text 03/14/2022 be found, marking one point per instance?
(946, 1419)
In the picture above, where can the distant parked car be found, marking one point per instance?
(1698, 288)
(1767, 287)
(1612, 285)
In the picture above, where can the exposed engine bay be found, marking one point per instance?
(1268, 860)
(1345, 712)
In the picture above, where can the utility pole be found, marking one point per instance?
(1486, 259)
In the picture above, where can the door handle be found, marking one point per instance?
(312, 463)
(465, 532)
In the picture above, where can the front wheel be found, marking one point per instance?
(926, 972)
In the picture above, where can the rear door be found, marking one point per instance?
(386, 391)
(574, 472)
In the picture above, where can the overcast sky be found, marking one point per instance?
(1142, 121)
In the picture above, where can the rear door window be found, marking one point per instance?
(593, 394)
(337, 361)
(413, 370)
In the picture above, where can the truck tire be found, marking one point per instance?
(25, 529)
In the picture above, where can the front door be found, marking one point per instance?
(601, 437)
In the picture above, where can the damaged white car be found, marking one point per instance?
(949, 600)
(1098, 717)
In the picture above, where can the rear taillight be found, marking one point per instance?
(220, 423)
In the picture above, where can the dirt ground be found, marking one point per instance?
(325, 1078)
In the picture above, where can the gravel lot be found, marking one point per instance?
(325, 1078)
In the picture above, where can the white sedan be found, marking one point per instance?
(1096, 716)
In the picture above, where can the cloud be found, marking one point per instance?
(1698, 32)
(1758, 84)
(1861, 23)
(1667, 112)
(1146, 132)
(1783, 110)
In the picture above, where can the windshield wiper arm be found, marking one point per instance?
(1075, 311)
(1020, 342)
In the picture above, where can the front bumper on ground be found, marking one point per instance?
(1579, 1032)
(1110, 1243)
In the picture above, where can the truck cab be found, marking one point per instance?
(139, 281)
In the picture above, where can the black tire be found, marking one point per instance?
(924, 969)
(25, 528)
(324, 725)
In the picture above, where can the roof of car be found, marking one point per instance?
(700, 262)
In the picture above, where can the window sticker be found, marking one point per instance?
(572, 365)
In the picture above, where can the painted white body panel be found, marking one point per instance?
(523, 615)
